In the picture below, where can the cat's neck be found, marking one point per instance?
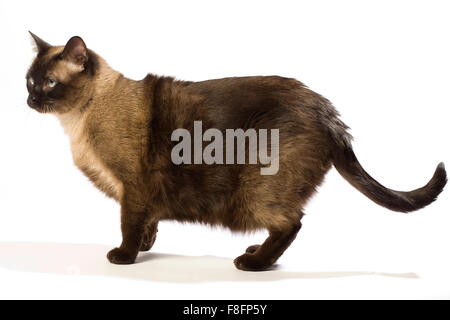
(103, 84)
(105, 79)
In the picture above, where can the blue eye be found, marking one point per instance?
(51, 83)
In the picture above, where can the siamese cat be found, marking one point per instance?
(121, 137)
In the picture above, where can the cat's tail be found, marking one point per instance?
(349, 167)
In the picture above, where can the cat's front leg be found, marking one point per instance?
(133, 224)
(149, 237)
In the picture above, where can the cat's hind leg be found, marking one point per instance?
(261, 257)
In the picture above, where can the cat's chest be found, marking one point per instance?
(87, 160)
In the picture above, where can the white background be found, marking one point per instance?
(384, 64)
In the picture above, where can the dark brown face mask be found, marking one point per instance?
(56, 74)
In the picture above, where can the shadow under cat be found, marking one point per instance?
(89, 259)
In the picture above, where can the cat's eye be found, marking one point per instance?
(51, 83)
(31, 81)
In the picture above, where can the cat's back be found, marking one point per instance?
(248, 83)
(246, 91)
(241, 102)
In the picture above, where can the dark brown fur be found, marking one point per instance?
(120, 133)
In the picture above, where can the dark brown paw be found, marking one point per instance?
(252, 249)
(120, 256)
(147, 243)
(250, 262)
(145, 246)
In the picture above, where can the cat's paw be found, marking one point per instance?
(147, 242)
(251, 262)
(145, 246)
(252, 249)
(120, 256)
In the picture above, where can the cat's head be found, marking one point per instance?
(60, 77)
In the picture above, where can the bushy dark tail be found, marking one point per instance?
(348, 166)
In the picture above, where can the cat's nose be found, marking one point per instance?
(32, 100)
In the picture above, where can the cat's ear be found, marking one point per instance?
(75, 51)
(40, 45)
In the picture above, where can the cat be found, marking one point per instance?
(120, 137)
